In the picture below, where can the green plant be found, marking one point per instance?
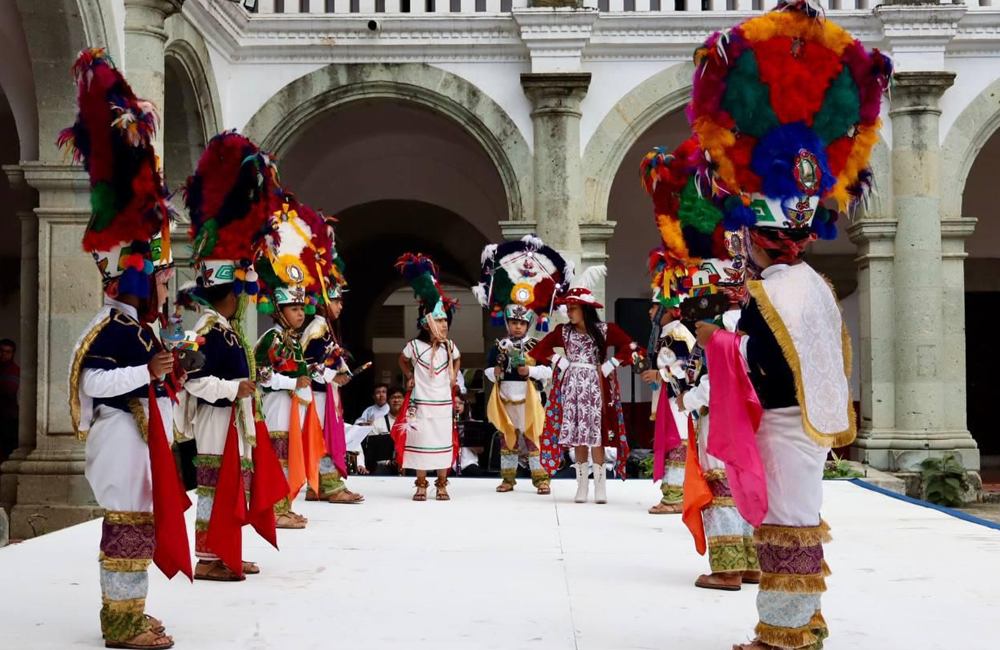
(646, 467)
(840, 468)
(944, 480)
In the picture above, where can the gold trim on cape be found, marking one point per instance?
(534, 415)
(74, 378)
(773, 320)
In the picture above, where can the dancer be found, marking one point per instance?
(327, 361)
(287, 264)
(668, 379)
(803, 153)
(700, 266)
(425, 433)
(227, 198)
(120, 377)
(585, 410)
(519, 283)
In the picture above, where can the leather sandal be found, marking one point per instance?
(755, 645)
(216, 571)
(751, 577)
(441, 490)
(544, 488)
(505, 487)
(720, 581)
(421, 493)
(666, 509)
(345, 496)
(311, 496)
(250, 568)
(143, 641)
(295, 515)
(288, 521)
(155, 624)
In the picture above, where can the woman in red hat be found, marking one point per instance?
(585, 403)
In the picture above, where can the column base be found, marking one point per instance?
(903, 451)
(52, 493)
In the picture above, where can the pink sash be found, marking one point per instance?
(333, 433)
(667, 437)
(735, 416)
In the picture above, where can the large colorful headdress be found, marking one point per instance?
(336, 281)
(229, 199)
(129, 229)
(422, 274)
(697, 255)
(522, 279)
(292, 259)
(786, 106)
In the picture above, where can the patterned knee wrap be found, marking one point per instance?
(330, 481)
(279, 440)
(672, 485)
(792, 582)
(207, 467)
(127, 544)
(730, 538)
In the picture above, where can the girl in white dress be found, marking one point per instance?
(425, 433)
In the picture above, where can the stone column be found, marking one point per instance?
(555, 99)
(27, 337)
(52, 492)
(145, 39)
(594, 238)
(921, 427)
(954, 232)
(876, 348)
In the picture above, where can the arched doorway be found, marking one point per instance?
(982, 301)
(400, 177)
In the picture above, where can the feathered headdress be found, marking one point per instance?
(581, 291)
(696, 255)
(129, 229)
(229, 198)
(292, 258)
(336, 281)
(522, 278)
(786, 106)
(421, 273)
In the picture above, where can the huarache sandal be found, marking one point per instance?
(345, 496)
(728, 581)
(421, 493)
(441, 490)
(143, 641)
(288, 521)
(505, 487)
(666, 509)
(216, 571)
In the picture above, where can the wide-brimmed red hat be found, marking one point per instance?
(579, 296)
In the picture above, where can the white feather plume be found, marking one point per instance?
(479, 291)
(488, 254)
(533, 240)
(570, 274)
(591, 277)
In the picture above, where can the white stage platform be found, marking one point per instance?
(521, 571)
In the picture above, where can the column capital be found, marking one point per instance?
(919, 92)
(512, 230)
(918, 31)
(149, 16)
(556, 92)
(872, 230)
(598, 232)
(960, 229)
(555, 36)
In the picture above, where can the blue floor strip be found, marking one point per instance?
(948, 511)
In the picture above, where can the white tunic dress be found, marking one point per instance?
(430, 418)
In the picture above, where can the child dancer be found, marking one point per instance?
(585, 406)
(519, 282)
(425, 433)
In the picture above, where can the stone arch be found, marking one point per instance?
(307, 98)
(186, 47)
(663, 93)
(966, 138)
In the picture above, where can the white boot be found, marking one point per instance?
(582, 482)
(600, 484)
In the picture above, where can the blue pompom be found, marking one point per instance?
(134, 283)
(250, 288)
(238, 286)
(774, 160)
(824, 224)
(737, 215)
